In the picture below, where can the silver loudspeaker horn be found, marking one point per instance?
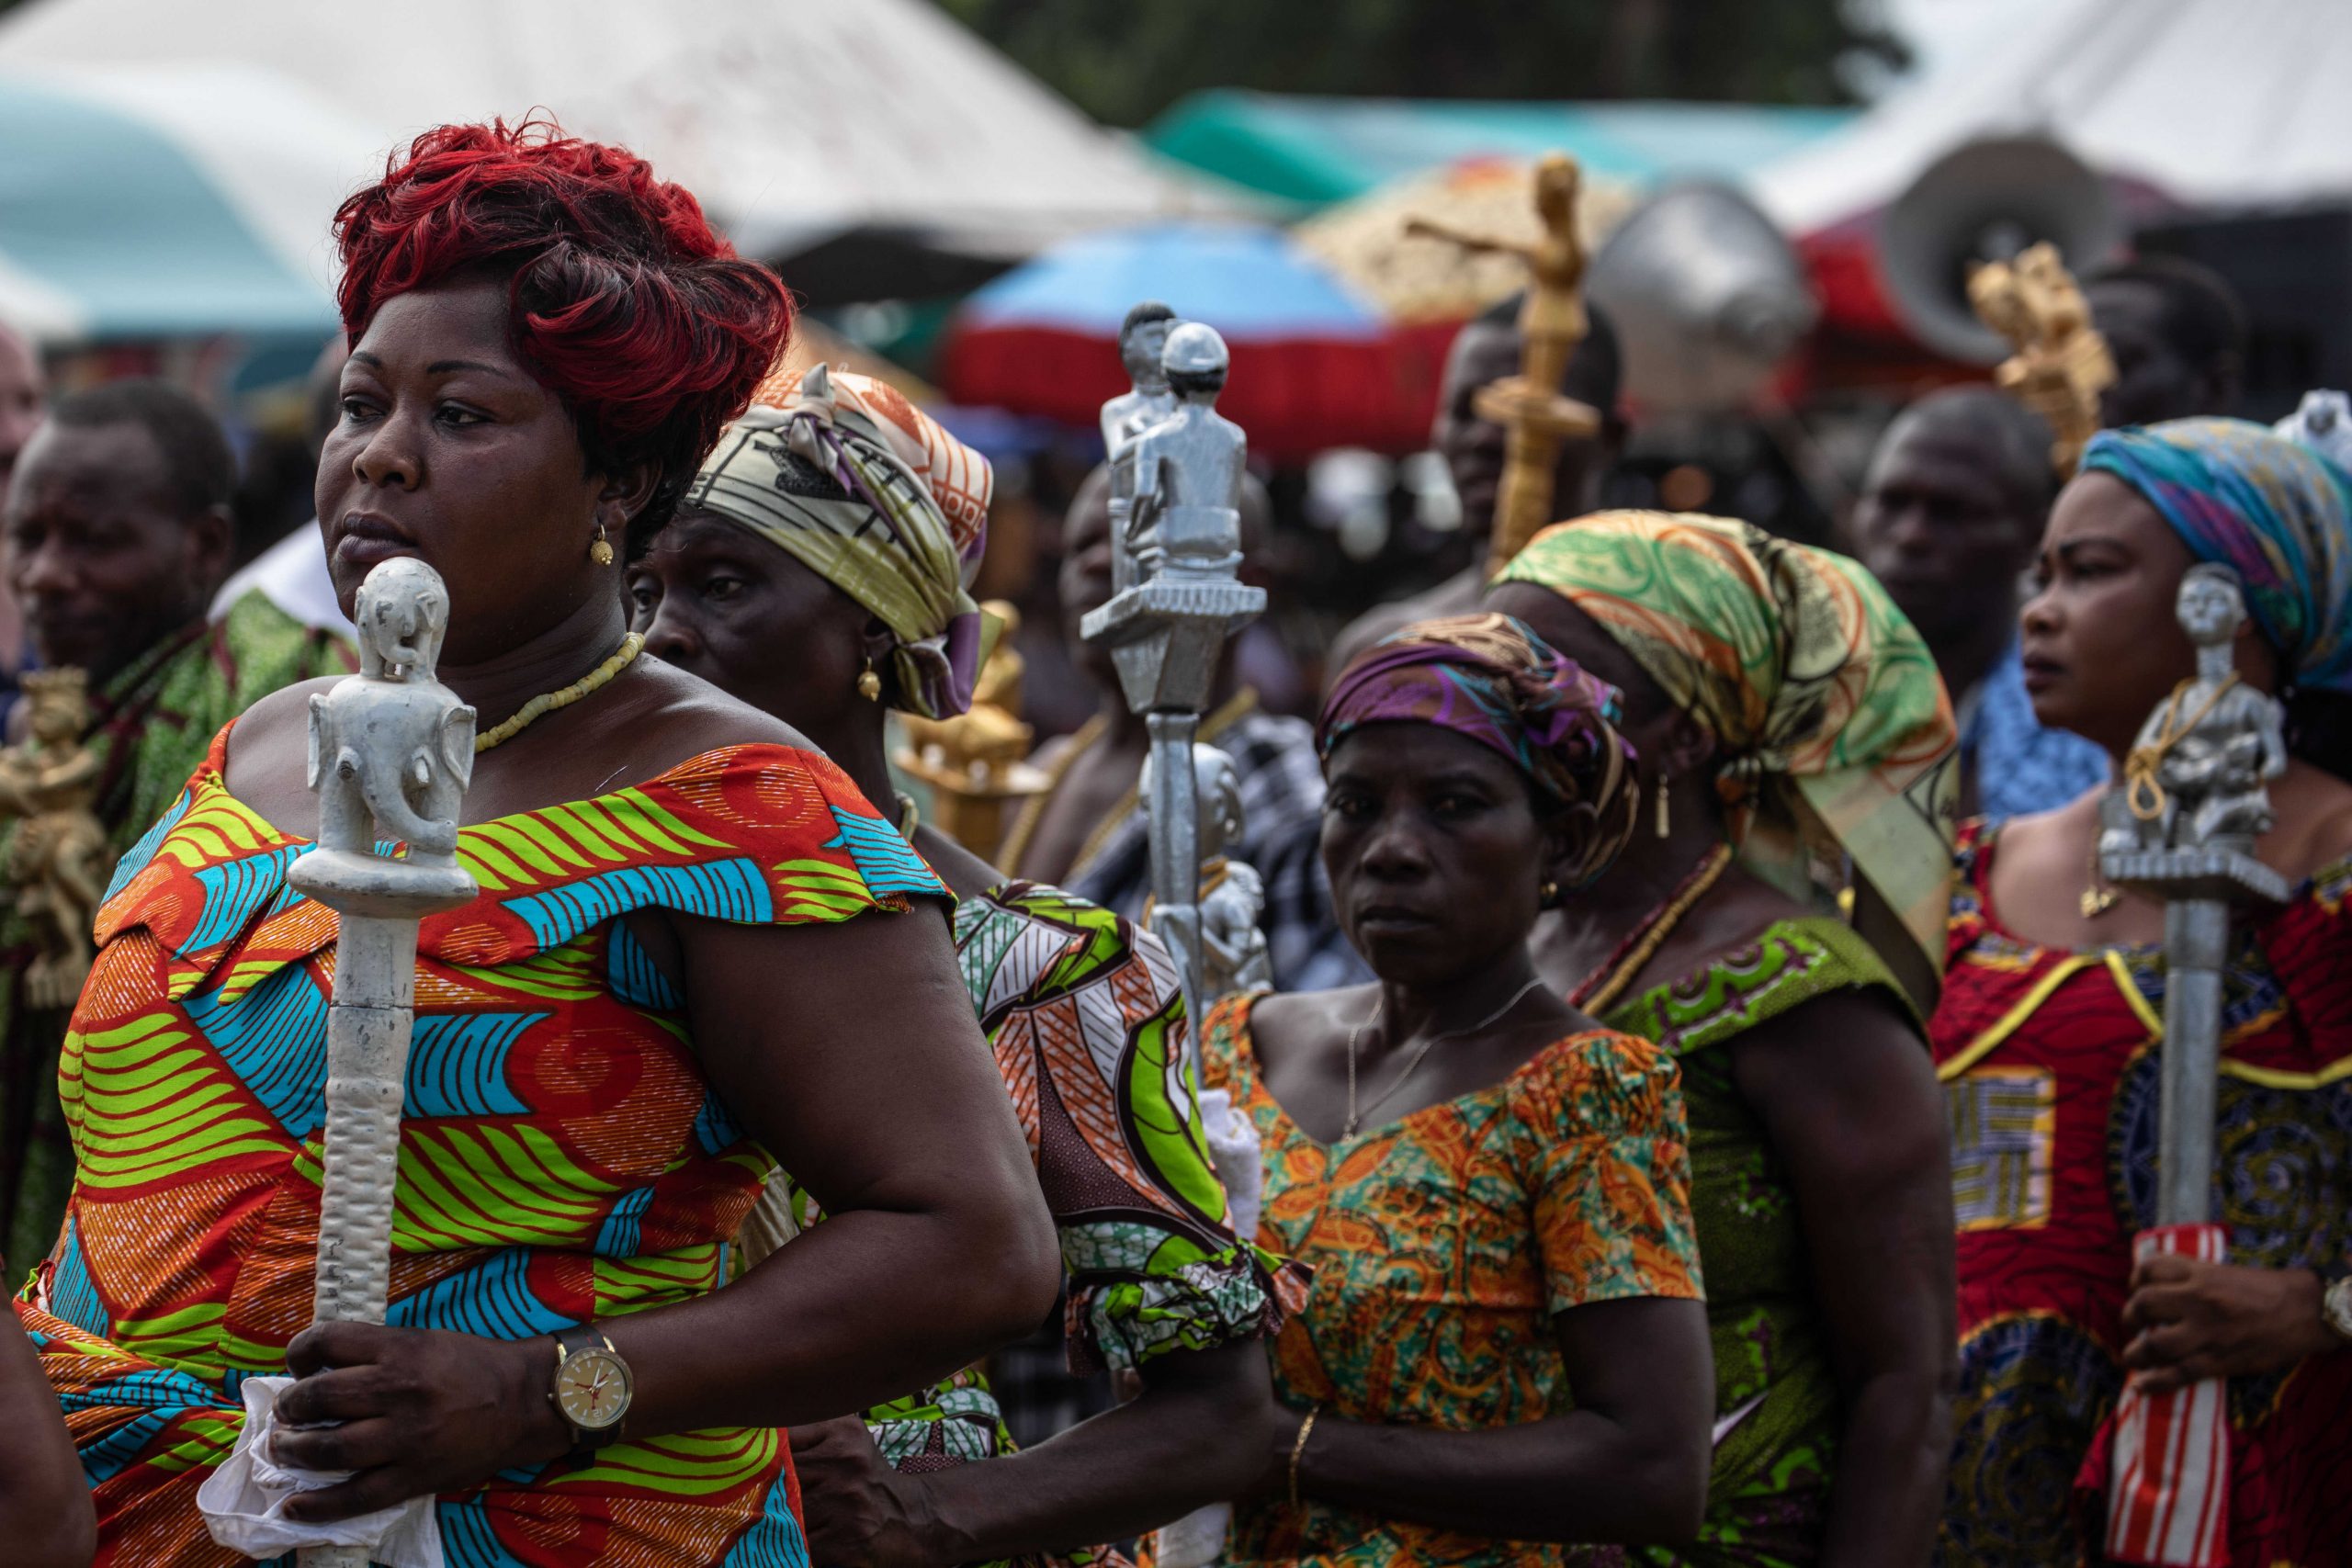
(1706, 295)
(1986, 201)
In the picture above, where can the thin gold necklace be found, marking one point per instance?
(1419, 1052)
(548, 702)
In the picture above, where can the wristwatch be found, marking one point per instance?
(592, 1387)
(2337, 1307)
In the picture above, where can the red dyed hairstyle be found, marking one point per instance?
(626, 305)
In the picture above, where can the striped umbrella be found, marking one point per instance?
(1313, 365)
(168, 201)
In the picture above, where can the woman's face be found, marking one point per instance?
(448, 450)
(1436, 856)
(2101, 642)
(721, 602)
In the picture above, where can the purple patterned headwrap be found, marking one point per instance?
(2276, 513)
(1489, 678)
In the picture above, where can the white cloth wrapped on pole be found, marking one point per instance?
(244, 1501)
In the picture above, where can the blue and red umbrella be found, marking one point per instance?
(1314, 364)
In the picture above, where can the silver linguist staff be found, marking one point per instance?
(392, 751)
(1179, 555)
(2181, 826)
(1176, 554)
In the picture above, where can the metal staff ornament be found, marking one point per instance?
(392, 751)
(2181, 826)
(1179, 553)
(1176, 554)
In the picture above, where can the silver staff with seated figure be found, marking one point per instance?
(1179, 555)
(391, 753)
(2181, 826)
(1176, 558)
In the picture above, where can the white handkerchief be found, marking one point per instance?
(244, 1502)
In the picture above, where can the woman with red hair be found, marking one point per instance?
(643, 1011)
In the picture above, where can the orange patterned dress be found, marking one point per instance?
(1443, 1244)
(562, 1156)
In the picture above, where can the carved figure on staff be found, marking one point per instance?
(1552, 323)
(2195, 778)
(396, 753)
(1187, 471)
(1143, 339)
(57, 860)
(1233, 896)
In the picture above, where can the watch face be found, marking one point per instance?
(2336, 1305)
(592, 1388)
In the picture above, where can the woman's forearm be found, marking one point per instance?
(45, 1512)
(861, 1309)
(1579, 1477)
(1198, 1435)
(1891, 1456)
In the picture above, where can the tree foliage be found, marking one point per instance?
(1125, 61)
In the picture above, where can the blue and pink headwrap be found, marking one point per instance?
(1489, 678)
(2275, 512)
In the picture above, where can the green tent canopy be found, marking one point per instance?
(1315, 150)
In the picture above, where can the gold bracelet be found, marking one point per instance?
(1298, 1449)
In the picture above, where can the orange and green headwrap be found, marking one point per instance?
(1834, 732)
(904, 536)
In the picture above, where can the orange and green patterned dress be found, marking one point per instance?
(1442, 1245)
(562, 1157)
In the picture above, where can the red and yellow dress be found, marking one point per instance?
(1442, 1245)
(562, 1156)
(2050, 1061)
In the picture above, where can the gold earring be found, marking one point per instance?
(1548, 895)
(601, 550)
(869, 684)
(1665, 816)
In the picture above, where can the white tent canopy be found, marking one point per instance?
(793, 120)
(2221, 103)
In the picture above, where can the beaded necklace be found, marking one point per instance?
(1603, 985)
(548, 702)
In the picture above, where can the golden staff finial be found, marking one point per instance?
(978, 760)
(1536, 416)
(2062, 364)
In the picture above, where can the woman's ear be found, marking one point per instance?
(875, 640)
(625, 494)
(1689, 749)
(1563, 839)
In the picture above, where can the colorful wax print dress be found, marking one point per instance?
(150, 724)
(1084, 1012)
(2050, 1061)
(563, 1156)
(1442, 1245)
(1776, 1395)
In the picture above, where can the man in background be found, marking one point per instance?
(114, 532)
(1088, 832)
(2177, 334)
(292, 572)
(24, 395)
(1485, 351)
(1950, 520)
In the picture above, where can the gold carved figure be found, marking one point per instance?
(58, 862)
(978, 760)
(2062, 364)
(1536, 416)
